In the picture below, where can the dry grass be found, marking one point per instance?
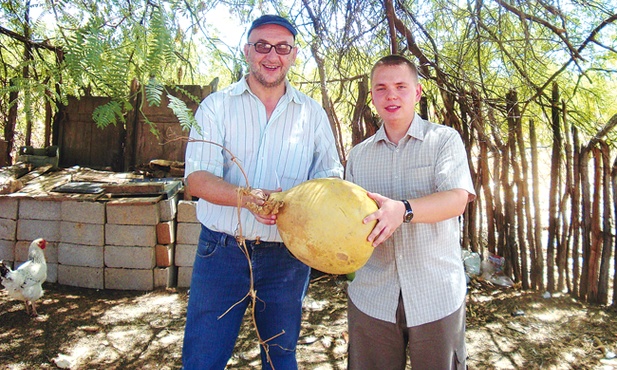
(137, 330)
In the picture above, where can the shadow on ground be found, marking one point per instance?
(96, 329)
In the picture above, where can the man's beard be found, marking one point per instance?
(259, 77)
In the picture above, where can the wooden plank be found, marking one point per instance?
(135, 188)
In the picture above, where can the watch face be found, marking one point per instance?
(408, 215)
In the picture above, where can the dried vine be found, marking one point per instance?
(267, 208)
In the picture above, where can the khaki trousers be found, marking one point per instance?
(379, 345)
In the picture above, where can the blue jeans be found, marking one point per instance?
(221, 279)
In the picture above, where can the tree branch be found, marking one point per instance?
(42, 45)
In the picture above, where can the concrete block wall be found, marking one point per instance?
(187, 236)
(8, 228)
(82, 246)
(124, 243)
(165, 273)
(38, 218)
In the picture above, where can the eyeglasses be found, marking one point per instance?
(264, 48)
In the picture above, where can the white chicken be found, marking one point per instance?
(26, 283)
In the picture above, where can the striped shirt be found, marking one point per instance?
(421, 261)
(296, 144)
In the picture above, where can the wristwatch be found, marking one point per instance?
(408, 212)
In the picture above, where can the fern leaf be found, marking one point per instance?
(184, 114)
(154, 92)
(107, 114)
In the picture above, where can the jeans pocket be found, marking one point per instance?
(206, 249)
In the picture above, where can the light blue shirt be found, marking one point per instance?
(295, 145)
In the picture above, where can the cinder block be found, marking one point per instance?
(51, 252)
(83, 212)
(81, 255)
(130, 235)
(129, 257)
(168, 208)
(7, 250)
(185, 254)
(164, 255)
(52, 273)
(166, 232)
(79, 276)
(133, 211)
(129, 279)
(188, 233)
(187, 211)
(184, 277)
(165, 277)
(82, 233)
(22, 246)
(8, 229)
(9, 207)
(32, 229)
(39, 209)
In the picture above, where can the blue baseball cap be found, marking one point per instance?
(273, 19)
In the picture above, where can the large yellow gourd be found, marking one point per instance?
(320, 222)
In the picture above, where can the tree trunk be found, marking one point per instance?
(614, 185)
(575, 215)
(554, 192)
(518, 244)
(596, 230)
(537, 263)
(563, 250)
(358, 126)
(9, 128)
(586, 223)
(26, 73)
(605, 260)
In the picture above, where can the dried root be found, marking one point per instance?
(269, 207)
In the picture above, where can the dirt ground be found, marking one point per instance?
(92, 329)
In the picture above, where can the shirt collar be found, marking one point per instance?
(417, 130)
(292, 94)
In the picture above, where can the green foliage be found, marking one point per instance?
(108, 114)
(184, 114)
(154, 92)
(486, 47)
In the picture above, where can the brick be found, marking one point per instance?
(79, 276)
(8, 229)
(83, 212)
(9, 207)
(185, 254)
(133, 211)
(165, 277)
(187, 211)
(184, 277)
(7, 250)
(81, 255)
(39, 209)
(130, 235)
(166, 232)
(164, 255)
(82, 233)
(129, 257)
(187, 233)
(52, 273)
(168, 208)
(129, 279)
(32, 229)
